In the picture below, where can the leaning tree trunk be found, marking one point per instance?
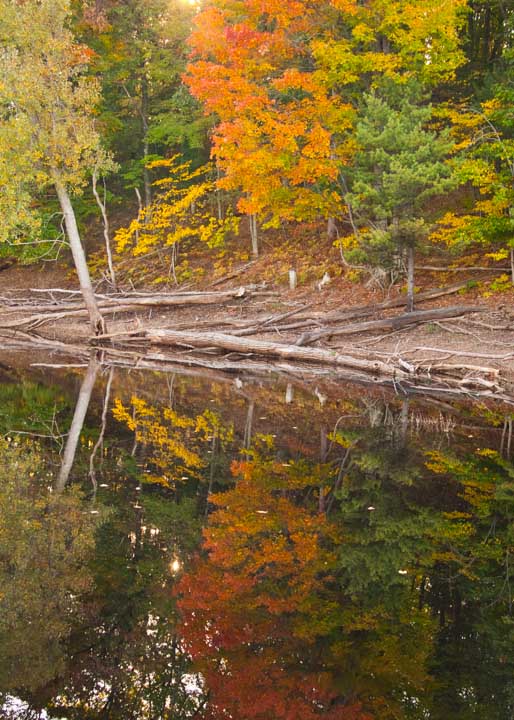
(79, 258)
(410, 278)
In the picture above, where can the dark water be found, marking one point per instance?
(226, 548)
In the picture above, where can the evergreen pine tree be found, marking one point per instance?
(399, 165)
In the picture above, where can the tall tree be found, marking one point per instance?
(483, 127)
(400, 163)
(252, 67)
(285, 81)
(140, 55)
(47, 116)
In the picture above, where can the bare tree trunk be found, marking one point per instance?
(86, 390)
(103, 209)
(219, 204)
(79, 258)
(332, 233)
(146, 146)
(323, 454)
(254, 234)
(410, 278)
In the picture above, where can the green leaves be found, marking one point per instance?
(47, 125)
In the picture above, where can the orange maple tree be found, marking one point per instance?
(251, 65)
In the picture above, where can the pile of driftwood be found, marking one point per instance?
(232, 353)
(226, 343)
(173, 353)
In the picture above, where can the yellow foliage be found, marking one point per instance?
(179, 212)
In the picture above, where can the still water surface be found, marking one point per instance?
(177, 546)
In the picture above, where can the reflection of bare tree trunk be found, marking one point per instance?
(170, 381)
(77, 424)
(214, 448)
(247, 441)
(404, 423)
(506, 440)
(345, 463)
(99, 442)
(323, 453)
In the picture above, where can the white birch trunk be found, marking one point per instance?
(79, 258)
(103, 209)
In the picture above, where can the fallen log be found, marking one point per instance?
(52, 312)
(265, 348)
(164, 300)
(457, 353)
(469, 268)
(394, 367)
(233, 274)
(253, 327)
(423, 379)
(361, 311)
(392, 323)
(432, 294)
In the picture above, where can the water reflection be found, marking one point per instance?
(46, 542)
(250, 553)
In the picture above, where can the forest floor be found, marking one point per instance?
(485, 338)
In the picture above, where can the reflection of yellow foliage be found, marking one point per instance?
(171, 436)
(488, 452)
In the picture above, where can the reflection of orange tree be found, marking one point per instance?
(175, 440)
(261, 611)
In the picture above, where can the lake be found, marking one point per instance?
(182, 545)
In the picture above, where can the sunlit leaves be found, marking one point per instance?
(47, 101)
(180, 211)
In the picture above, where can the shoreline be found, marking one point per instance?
(247, 318)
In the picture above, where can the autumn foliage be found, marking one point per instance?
(258, 606)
